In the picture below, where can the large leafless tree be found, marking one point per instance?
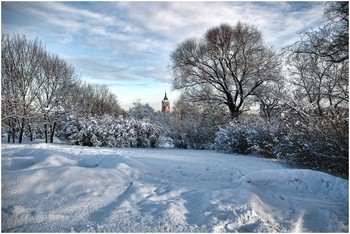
(225, 67)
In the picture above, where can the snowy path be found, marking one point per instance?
(61, 188)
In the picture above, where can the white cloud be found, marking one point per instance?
(179, 20)
(131, 41)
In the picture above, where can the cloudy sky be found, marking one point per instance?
(126, 45)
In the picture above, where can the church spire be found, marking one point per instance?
(165, 104)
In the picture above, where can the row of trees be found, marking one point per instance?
(38, 89)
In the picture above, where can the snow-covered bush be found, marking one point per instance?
(165, 142)
(251, 135)
(320, 144)
(263, 141)
(235, 138)
(110, 132)
(141, 111)
(193, 133)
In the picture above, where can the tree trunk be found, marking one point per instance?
(13, 133)
(30, 132)
(9, 136)
(234, 110)
(45, 131)
(53, 128)
(21, 131)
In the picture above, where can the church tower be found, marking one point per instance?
(165, 105)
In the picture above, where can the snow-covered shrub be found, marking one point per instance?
(263, 142)
(320, 144)
(194, 125)
(193, 133)
(235, 138)
(165, 142)
(251, 134)
(141, 111)
(110, 132)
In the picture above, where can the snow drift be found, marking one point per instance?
(60, 188)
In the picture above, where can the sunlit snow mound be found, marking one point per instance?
(60, 188)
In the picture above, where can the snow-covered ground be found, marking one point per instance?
(62, 188)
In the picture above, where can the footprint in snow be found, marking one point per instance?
(127, 185)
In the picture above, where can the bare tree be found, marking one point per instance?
(318, 63)
(225, 67)
(331, 41)
(57, 79)
(21, 62)
(98, 100)
(271, 101)
(106, 102)
(319, 83)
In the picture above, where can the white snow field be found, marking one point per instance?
(62, 188)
